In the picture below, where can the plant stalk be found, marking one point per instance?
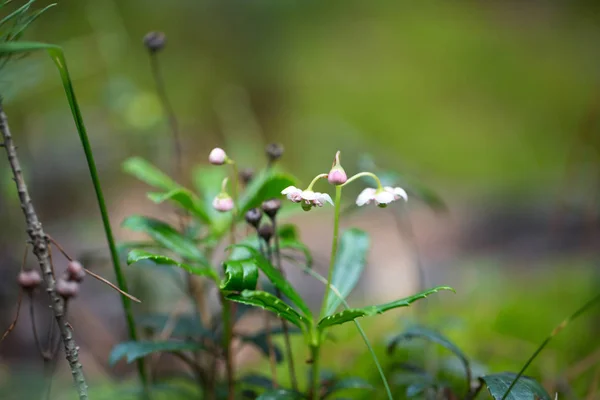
(314, 380)
(227, 336)
(40, 249)
(334, 247)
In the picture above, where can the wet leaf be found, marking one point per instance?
(526, 388)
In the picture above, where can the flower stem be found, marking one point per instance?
(227, 335)
(314, 380)
(361, 174)
(316, 178)
(334, 246)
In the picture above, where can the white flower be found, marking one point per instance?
(308, 196)
(217, 156)
(382, 196)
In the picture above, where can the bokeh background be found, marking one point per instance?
(488, 111)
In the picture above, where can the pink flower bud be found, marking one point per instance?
(223, 203)
(75, 271)
(67, 289)
(217, 156)
(337, 175)
(29, 280)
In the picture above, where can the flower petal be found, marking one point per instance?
(384, 197)
(324, 197)
(290, 189)
(365, 197)
(399, 192)
(309, 195)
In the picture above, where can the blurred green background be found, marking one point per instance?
(492, 105)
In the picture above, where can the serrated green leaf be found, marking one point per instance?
(266, 185)
(346, 384)
(167, 236)
(280, 394)
(148, 173)
(271, 303)
(141, 255)
(239, 275)
(278, 280)
(526, 388)
(349, 265)
(185, 199)
(353, 313)
(134, 350)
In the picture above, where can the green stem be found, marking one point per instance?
(316, 178)
(361, 174)
(315, 381)
(334, 246)
(59, 60)
(227, 335)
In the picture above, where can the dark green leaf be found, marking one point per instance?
(134, 350)
(280, 394)
(184, 198)
(239, 275)
(292, 244)
(525, 389)
(288, 232)
(266, 185)
(166, 236)
(416, 389)
(140, 255)
(271, 303)
(353, 313)
(148, 173)
(256, 380)
(278, 280)
(347, 383)
(349, 265)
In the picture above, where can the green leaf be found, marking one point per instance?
(185, 199)
(166, 236)
(256, 380)
(280, 394)
(266, 185)
(207, 181)
(148, 173)
(239, 275)
(353, 313)
(141, 255)
(525, 389)
(278, 280)
(436, 337)
(293, 244)
(134, 350)
(271, 303)
(347, 383)
(288, 232)
(349, 265)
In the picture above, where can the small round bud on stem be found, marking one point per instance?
(75, 271)
(271, 207)
(223, 203)
(154, 41)
(253, 217)
(67, 289)
(29, 280)
(217, 156)
(266, 232)
(337, 175)
(274, 152)
(246, 175)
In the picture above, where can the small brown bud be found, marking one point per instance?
(30, 279)
(67, 289)
(155, 41)
(274, 151)
(75, 271)
(266, 232)
(246, 175)
(270, 207)
(253, 217)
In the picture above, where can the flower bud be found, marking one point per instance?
(154, 41)
(75, 271)
(253, 217)
(67, 289)
(223, 202)
(29, 280)
(274, 151)
(270, 207)
(246, 175)
(217, 156)
(337, 175)
(266, 232)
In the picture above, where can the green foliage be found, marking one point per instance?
(239, 275)
(139, 349)
(135, 256)
(280, 394)
(525, 389)
(341, 385)
(267, 185)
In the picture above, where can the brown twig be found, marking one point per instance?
(92, 274)
(40, 249)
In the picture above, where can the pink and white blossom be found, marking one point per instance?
(307, 196)
(381, 197)
(223, 203)
(217, 156)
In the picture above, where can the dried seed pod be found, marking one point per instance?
(274, 151)
(266, 232)
(155, 41)
(246, 175)
(67, 289)
(253, 217)
(271, 207)
(75, 271)
(29, 280)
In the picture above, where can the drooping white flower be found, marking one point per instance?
(381, 197)
(307, 196)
